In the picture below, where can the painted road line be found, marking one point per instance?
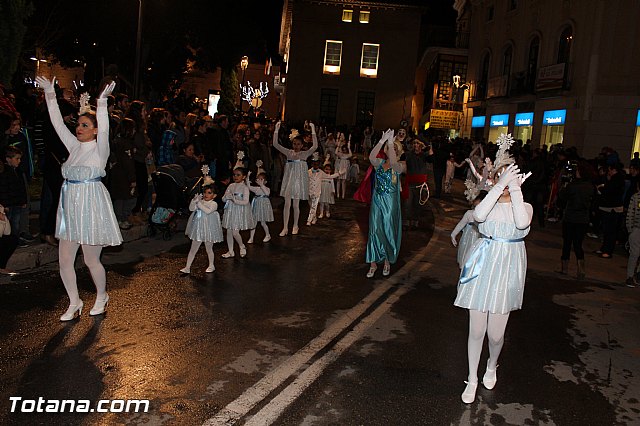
(241, 406)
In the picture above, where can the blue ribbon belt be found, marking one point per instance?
(477, 257)
(63, 226)
(294, 161)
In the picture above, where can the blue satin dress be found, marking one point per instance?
(385, 219)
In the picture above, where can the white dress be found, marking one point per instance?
(85, 213)
(342, 163)
(493, 276)
(237, 211)
(295, 182)
(470, 234)
(261, 205)
(204, 223)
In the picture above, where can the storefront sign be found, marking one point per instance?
(551, 77)
(638, 119)
(524, 119)
(499, 120)
(554, 118)
(444, 119)
(478, 121)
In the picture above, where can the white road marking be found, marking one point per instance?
(241, 406)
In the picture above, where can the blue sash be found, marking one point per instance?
(478, 256)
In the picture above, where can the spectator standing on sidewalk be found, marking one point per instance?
(633, 226)
(8, 243)
(13, 190)
(576, 198)
(611, 208)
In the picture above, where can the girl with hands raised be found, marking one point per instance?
(343, 153)
(85, 214)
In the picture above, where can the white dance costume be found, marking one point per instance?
(295, 183)
(204, 223)
(470, 235)
(85, 213)
(493, 276)
(342, 163)
(328, 190)
(237, 211)
(261, 205)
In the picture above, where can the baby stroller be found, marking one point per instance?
(169, 183)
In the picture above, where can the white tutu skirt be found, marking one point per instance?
(327, 195)
(237, 217)
(261, 209)
(295, 182)
(85, 213)
(342, 166)
(470, 235)
(499, 286)
(204, 227)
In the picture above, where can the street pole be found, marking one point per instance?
(136, 74)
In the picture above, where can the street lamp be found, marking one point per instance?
(244, 63)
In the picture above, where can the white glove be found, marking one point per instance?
(454, 241)
(519, 180)
(107, 90)
(47, 86)
(277, 128)
(507, 175)
(260, 181)
(313, 127)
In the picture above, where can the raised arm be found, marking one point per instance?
(473, 169)
(194, 202)
(264, 188)
(314, 144)
(373, 155)
(522, 212)
(484, 208)
(398, 166)
(65, 135)
(276, 141)
(102, 116)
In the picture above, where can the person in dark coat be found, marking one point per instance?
(13, 189)
(611, 208)
(122, 183)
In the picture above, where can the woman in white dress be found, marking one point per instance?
(85, 214)
(295, 183)
(492, 280)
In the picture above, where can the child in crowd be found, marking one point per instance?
(13, 189)
(343, 153)
(328, 191)
(354, 171)
(295, 183)
(316, 176)
(237, 212)
(469, 228)
(261, 206)
(122, 176)
(451, 169)
(203, 225)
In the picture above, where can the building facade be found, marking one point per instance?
(349, 62)
(555, 71)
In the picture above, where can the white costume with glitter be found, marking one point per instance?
(261, 205)
(204, 223)
(237, 211)
(470, 234)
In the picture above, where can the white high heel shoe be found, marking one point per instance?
(284, 232)
(228, 255)
(185, 270)
(469, 394)
(100, 306)
(267, 239)
(74, 311)
(243, 251)
(372, 271)
(210, 269)
(295, 230)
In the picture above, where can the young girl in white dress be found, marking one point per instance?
(295, 183)
(343, 154)
(203, 226)
(492, 279)
(469, 228)
(261, 206)
(85, 214)
(327, 192)
(237, 212)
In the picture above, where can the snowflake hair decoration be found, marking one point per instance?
(472, 190)
(84, 103)
(315, 156)
(503, 157)
(294, 134)
(240, 155)
(205, 170)
(259, 164)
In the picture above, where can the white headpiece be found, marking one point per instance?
(503, 157)
(239, 163)
(472, 190)
(315, 156)
(294, 134)
(84, 103)
(207, 180)
(259, 164)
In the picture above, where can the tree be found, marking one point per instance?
(13, 14)
(229, 91)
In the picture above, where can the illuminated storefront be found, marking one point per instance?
(477, 127)
(523, 126)
(498, 125)
(553, 127)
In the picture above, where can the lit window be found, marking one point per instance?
(347, 15)
(364, 16)
(369, 64)
(332, 57)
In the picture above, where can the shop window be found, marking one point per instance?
(332, 57)
(347, 15)
(369, 63)
(564, 46)
(364, 16)
(328, 106)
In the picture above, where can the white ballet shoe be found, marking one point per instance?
(74, 311)
(210, 269)
(243, 251)
(386, 270)
(250, 241)
(284, 232)
(228, 255)
(267, 239)
(100, 306)
(328, 215)
(372, 271)
(490, 377)
(320, 216)
(309, 223)
(295, 230)
(469, 394)
(185, 270)
(313, 222)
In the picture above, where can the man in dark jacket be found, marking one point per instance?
(611, 208)
(13, 190)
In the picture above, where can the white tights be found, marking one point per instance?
(67, 251)
(296, 212)
(195, 245)
(341, 189)
(264, 226)
(481, 323)
(234, 234)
